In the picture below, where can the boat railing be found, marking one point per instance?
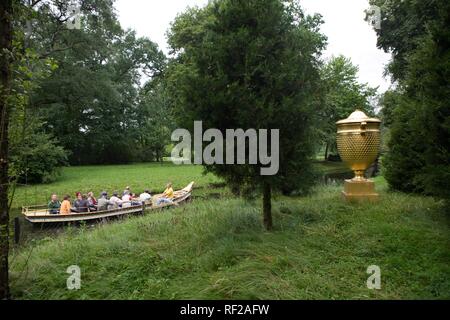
(42, 208)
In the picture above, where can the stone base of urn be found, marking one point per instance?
(359, 191)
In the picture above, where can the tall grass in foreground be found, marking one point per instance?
(212, 249)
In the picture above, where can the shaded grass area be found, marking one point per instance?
(212, 249)
(330, 167)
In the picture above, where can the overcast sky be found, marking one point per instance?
(347, 32)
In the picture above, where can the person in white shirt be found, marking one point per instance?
(145, 196)
(126, 200)
(115, 201)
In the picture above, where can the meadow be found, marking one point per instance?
(216, 248)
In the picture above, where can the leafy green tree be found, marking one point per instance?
(155, 122)
(90, 103)
(343, 95)
(389, 101)
(250, 64)
(417, 34)
(403, 25)
(33, 154)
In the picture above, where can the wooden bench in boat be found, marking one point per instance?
(40, 213)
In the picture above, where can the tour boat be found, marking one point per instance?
(40, 213)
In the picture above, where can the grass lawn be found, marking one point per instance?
(217, 248)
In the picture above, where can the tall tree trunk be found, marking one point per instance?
(326, 151)
(5, 41)
(267, 206)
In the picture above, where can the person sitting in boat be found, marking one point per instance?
(65, 205)
(167, 196)
(92, 201)
(135, 200)
(126, 199)
(76, 202)
(126, 191)
(145, 196)
(115, 201)
(54, 205)
(81, 204)
(103, 202)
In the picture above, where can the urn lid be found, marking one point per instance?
(357, 117)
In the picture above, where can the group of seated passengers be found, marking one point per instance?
(88, 203)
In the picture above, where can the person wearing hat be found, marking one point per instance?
(103, 202)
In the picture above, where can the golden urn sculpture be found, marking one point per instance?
(358, 142)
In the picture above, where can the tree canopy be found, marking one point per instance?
(343, 95)
(83, 86)
(251, 64)
(417, 34)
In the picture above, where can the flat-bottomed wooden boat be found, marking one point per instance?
(40, 214)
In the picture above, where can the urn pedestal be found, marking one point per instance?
(358, 142)
(357, 191)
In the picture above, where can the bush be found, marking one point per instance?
(34, 155)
